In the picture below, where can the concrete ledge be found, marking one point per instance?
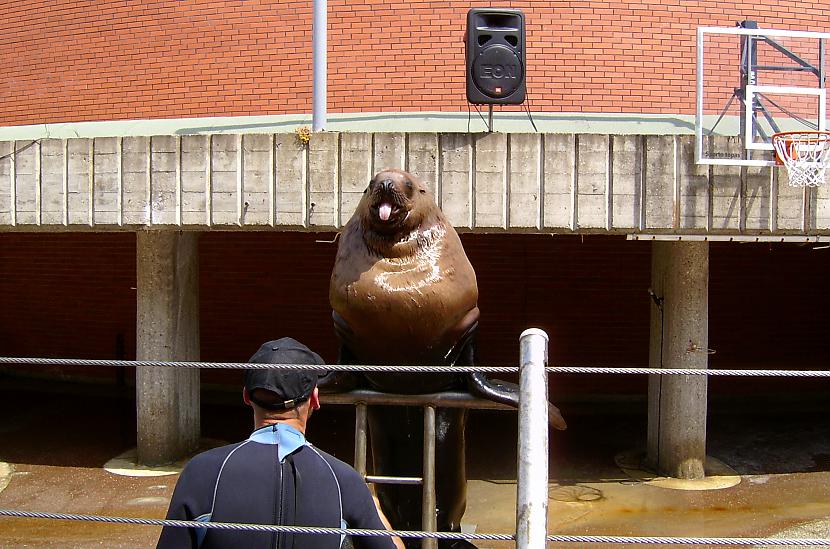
(516, 182)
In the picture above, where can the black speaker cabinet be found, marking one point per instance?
(495, 56)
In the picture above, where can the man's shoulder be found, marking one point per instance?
(340, 468)
(214, 457)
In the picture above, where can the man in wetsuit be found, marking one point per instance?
(275, 476)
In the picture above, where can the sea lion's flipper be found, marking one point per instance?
(504, 392)
(507, 393)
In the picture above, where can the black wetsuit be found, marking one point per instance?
(274, 477)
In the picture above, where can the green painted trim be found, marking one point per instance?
(432, 122)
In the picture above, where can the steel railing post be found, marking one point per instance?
(429, 519)
(532, 489)
(360, 438)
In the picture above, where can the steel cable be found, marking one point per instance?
(648, 540)
(253, 527)
(423, 369)
(412, 368)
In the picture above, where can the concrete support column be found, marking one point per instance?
(676, 444)
(167, 329)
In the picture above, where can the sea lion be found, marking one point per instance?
(404, 293)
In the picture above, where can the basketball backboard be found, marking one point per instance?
(753, 83)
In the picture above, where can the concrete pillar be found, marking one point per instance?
(167, 329)
(676, 444)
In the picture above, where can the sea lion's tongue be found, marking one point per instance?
(385, 210)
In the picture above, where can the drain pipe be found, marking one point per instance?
(319, 38)
(532, 489)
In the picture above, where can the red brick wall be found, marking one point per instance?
(63, 61)
(72, 296)
(68, 296)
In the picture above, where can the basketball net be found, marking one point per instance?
(806, 156)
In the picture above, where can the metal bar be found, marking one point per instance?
(532, 481)
(378, 479)
(319, 55)
(767, 32)
(360, 438)
(768, 117)
(809, 68)
(450, 399)
(699, 110)
(429, 517)
(805, 65)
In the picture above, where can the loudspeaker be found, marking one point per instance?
(495, 56)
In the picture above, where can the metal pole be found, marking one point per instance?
(532, 490)
(700, 92)
(319, 28)
(360, 438)
(490, 119)
(429, 519)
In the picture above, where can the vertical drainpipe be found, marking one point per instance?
(318, 120)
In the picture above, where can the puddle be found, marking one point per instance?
(574, 493)
(718, 474)
(6, 471)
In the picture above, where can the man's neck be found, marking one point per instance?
(296, 423)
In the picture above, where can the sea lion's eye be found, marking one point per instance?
(423, 191)
(409, 184)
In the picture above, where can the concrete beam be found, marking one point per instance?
(167, 329)
(514, 182)
(676, 442)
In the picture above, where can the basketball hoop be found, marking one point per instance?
(806, 156)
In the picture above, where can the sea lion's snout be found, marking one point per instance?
(385, 208)
(388, 197)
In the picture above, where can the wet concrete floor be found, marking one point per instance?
(54, 446)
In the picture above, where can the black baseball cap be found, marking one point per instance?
(291, 387)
